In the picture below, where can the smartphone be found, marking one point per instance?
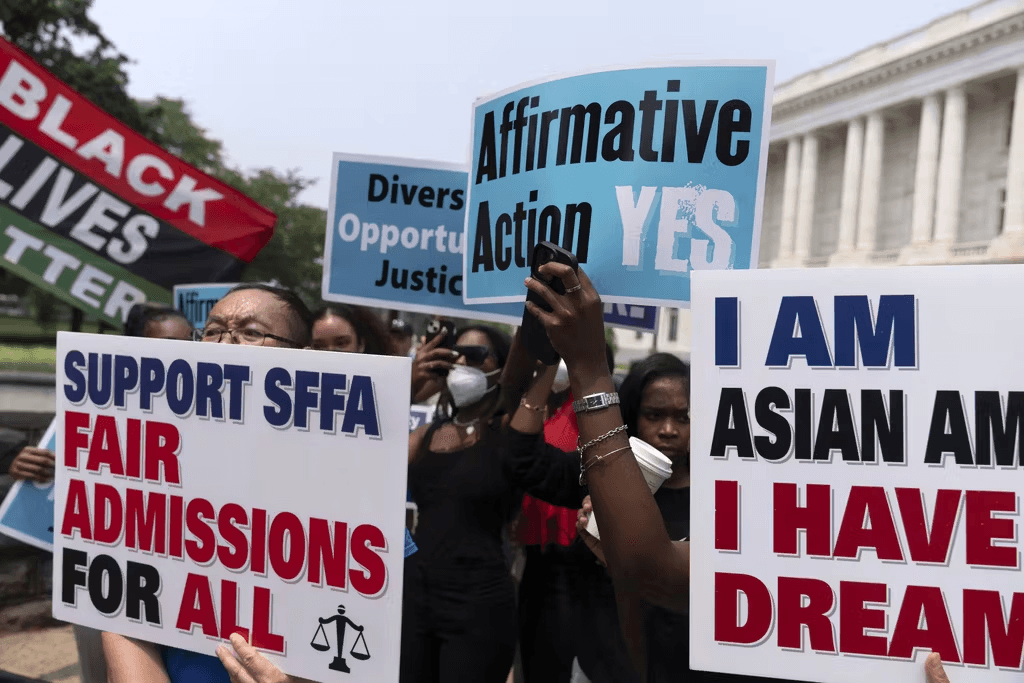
(445, 328)
(535, 337)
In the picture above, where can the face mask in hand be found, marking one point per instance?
(468, 385)
(561, 382)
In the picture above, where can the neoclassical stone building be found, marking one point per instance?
(908, 152)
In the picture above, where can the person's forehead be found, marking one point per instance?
(250, 304)
(666, 391)
(333, 324)
(474, 338)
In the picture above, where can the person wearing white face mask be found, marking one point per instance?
(459, 608)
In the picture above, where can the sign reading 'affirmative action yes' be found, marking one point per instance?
(645, 174)
(856, 498)
(206, 489)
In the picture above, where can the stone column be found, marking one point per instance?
(790, 189)
(923, 213)
(1011, 242)
(850, 197)
(951, 168)
(871, 183)
(805, 202)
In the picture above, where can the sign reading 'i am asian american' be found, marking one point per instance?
(856, 503)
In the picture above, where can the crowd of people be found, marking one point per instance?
(511, 468)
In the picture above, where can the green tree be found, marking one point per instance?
(294, 256)
(45, 28)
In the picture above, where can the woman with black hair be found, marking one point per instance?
(352, 329)
(459, 610)
(655, 404)
(157, 321)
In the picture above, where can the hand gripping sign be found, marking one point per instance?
(857, 454)
(645, 174)
(206, 489)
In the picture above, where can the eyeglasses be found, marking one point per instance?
(247, 336)
(473, 354)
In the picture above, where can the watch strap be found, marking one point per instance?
(595, 402)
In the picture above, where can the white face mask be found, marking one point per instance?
(561, 382)
(468, 385)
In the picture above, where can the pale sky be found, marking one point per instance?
(286, 84)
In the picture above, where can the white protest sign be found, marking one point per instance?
(857, 453)
(205, 489)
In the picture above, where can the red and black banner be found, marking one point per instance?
(80, 175)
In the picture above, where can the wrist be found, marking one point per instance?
(591, 381)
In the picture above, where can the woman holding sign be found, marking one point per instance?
(648, 569)
(459, 609)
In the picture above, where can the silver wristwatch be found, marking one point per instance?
(595, 402)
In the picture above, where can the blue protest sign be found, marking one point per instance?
(395, 238)
(195, 301)
(27, 512)
(645, 174)
(634, 317)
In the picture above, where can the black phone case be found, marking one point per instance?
(535, 337)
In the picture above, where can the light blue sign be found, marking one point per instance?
(395, 238)
(644, 174)
(195, 301)
(27, 512)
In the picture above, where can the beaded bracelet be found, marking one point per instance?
(584, 470)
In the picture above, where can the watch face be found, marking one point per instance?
(594, 401)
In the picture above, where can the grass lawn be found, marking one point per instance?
(12, 328)
(27, 358)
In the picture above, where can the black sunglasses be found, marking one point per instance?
(473, 354)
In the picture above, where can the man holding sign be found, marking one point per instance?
(258, 547)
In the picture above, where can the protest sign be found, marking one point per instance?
(395, 238)
(643, 318)
(195, 301)
(98, 215)
(645, 174)
(420, 415)
(205, 489)
(26, 513)
(856, 447)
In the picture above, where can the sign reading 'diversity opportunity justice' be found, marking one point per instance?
(395, 240)
(27, 511)
(856, 498)
(645, 174)
(98, 215)
(205, 489)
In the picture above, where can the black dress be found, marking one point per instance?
(459, 610)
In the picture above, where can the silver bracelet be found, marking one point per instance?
(595, 461)
(607, 435)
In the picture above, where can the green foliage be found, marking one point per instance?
(45, 28)
(179, 135)
(294, 256)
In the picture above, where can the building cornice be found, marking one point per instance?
(933, 57)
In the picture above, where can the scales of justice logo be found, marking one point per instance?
(321, 643)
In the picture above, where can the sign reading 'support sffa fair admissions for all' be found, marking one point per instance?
(98, 215)
(206, 489)
(645, 174)
(856, 473)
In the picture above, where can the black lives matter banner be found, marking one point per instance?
(98, 215)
